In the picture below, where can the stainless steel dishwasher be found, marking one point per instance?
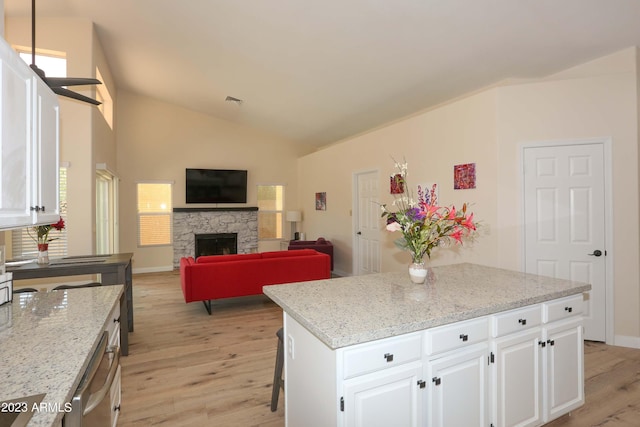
(91, 404)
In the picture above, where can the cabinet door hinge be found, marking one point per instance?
(342, 404)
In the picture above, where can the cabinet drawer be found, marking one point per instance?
(456, 335)
(365, 358)
(516, 320)
(562, 308)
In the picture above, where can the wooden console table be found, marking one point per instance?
(114, 269)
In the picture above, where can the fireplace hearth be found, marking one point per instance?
(216, 244)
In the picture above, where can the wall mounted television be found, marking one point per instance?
(216, 186)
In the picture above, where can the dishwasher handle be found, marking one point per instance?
(95, 399)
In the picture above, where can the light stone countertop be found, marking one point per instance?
(46, 341)
(351, 310)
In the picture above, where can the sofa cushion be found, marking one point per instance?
(226, 258)
(287, 254)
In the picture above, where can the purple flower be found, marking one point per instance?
(415, 214)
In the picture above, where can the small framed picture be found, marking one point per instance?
(396, 184)
(321, 201)
(464, 176)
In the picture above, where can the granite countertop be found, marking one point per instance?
(351, 310)
(46, 341)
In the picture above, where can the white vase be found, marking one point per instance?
(418, 272)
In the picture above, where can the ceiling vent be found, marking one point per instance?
(232, 99)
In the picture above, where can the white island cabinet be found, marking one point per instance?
(475, 346)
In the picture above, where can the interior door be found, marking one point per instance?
(106, 211)
(367, 224)
(564, 216)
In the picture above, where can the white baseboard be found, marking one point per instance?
(152, 269)
(624, 341)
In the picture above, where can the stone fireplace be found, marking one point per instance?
(189, 222)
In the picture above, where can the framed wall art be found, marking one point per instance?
(396, 184)
(321, 201)
(464, 176)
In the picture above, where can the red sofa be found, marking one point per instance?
(227, 276)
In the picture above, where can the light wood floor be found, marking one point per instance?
(186, 368)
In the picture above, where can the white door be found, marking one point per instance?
(106, 211)
(367, 224)
(16, 126)
(517, 379)
(388, 398)
(46, 134)
(564, 216)
(565, 368)
(458, 389)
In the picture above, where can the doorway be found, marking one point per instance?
(106, 211)
(566, 205)
(366, 223)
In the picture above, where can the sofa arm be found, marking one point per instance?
(185, 276)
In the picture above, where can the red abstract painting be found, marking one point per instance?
(464, 176)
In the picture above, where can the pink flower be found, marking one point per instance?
(394, 226)
(431, 209)
(457, 235)
(452, 213)
(469, 223)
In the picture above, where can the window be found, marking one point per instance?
(154, 214)
(103, 96)
(23, 246)
(270, 211)
(54, 65)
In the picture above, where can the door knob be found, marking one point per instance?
(597, 252)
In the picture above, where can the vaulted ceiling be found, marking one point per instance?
(317, 71)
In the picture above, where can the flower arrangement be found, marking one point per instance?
(424, 225)
(42, 233)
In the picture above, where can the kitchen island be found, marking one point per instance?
(380, 350)
(46, 342)
(114, 269)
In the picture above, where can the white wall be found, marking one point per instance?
(157, 141)
(432, 143)
(598, 99)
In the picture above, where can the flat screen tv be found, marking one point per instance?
(216, 186)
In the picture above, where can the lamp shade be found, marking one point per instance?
(293, 216)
